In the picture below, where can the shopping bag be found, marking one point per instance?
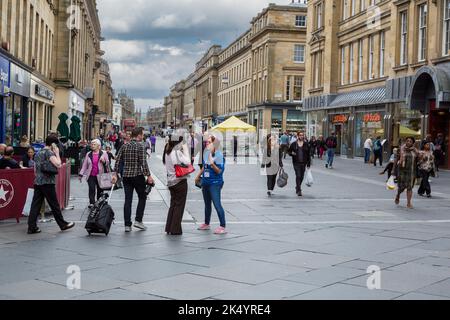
(282, 179)
(105, 180)
(26, 210)
(391, 185)
(309, 178)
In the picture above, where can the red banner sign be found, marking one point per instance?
(372, 117)
(340, 118)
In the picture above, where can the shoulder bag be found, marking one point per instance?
(47, 167)
(181, 169)
(105, 179)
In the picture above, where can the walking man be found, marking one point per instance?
(301, 157)
(331, 143)
(284, 144)
(135, 169)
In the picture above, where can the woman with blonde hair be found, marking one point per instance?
(95, 163)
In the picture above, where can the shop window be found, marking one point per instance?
(277, 120)
(367, 124)
(296, 121)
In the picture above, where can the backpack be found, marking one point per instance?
(331, 143)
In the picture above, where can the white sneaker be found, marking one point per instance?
(140, 225)
(127, 229)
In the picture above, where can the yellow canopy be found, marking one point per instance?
(234, 124)
(404, 132)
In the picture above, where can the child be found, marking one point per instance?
(390, 166)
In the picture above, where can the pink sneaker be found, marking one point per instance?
(204, 227)
(220, 230)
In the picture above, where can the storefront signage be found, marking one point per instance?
(6, 193)
(373, 117)
(20, 81)
(43, 91)
(4, 76)
(340, 118)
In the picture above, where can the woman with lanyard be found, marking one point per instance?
(211, 179)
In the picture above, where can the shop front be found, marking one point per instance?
(17, 106)
(40, 113)
(429, 94)
(72, 103)
(369, 122)
(340, 123)
(4, 92)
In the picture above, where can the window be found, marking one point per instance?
(299, 53)
(353, 7)
(343, 65)
(360, 60)
(362, 5)
(446, 31)
(298, 88)
(351, 63)
(344, 9)
(288, 89)
(422, 32)
(318, 16)
(382, 52)
(403, 37)
(371, 75)
(300, 21)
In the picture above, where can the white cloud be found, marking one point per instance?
(151, 44)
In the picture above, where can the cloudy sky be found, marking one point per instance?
(151, 44)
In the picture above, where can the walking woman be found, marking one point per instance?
(272, 153)
(176, 153)
(321, 147)
(406, 168)
(211, 178)
(44, 187)
(313, 146)
(426, 169)
(95, 163)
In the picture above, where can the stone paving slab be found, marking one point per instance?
(326, 276)
(252, 272)
(272, 290)
(439, 288)
(38, 290)
(89, 282)
(400, 281)
(421, 296)
(188, 287)
(118, 294)
(347, 292)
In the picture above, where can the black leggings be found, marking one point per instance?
(93, 187)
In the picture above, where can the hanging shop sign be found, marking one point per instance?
(340, 118)
(4, 76)
(372, 117)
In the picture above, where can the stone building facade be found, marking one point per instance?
(377, 68)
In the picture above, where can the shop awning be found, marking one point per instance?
(234, 124)
(360, 98)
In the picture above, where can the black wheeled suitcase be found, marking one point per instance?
(101, 216)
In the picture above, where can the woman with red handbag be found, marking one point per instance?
(177, 161)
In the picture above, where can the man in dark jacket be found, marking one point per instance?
(301, 157)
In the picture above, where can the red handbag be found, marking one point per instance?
(183, 170)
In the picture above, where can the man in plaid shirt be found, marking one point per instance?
(131, 163)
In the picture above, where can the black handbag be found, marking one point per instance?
(48, 168)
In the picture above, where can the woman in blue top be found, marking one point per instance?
(211, 176)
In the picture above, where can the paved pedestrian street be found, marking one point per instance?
(319, 246)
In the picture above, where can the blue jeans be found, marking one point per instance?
(367, 153)
(211, 194)
(330, 155)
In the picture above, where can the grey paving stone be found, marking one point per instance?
(181, 287)
(435, 261)
(118, 294)
(411, 235)
(326, 276)
(143, 270)
(420, 268)
(399, 281)
(273, 290)
(89, 282)
(155, 250)
(252, 272)
(210, 257)
(421, 296)
(440, 244)
(306, 259)
(363, 264)
(38, 290)
(347, 292)
(263, 246)
(441, 289)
